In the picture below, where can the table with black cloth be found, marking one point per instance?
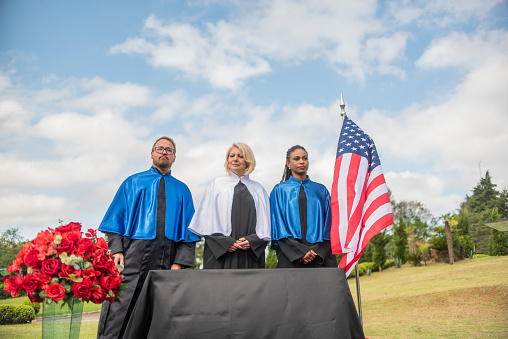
(249, 303)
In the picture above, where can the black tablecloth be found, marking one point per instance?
(269, 303)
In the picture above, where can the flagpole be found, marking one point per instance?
(343, 114)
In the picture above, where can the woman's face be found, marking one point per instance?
(298, 163)
(236, 162)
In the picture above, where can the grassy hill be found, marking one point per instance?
(466, 300)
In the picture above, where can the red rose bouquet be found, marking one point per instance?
(60, 263)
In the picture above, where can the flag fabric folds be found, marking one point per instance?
(360, 203)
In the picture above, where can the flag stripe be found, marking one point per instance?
(360, 203)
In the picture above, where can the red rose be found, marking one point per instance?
(73, 226)
(73, 236)
(67, 270)
(32, 259)
(65, 245)
(84, 247)
(82, 289)
(51, 267)
(102, 263)
(101, 244)
(31, 283)
(113, 270)
(55, 292)
(16, 265)
(109, 282)
(90, 273)
(13, 285)
(98, 295)
(34, 298)
(91, 233)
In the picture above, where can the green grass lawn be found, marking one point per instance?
(466, 300)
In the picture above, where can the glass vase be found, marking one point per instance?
(61, 320)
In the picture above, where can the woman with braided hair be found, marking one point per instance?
(301, 218)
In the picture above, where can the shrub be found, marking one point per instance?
(35, 306)
(24, 314)
(398, 262)
(6, 314)
(388, 263)
(482, 255)
(21, 314)
(415, 259)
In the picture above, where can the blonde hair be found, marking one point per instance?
(248, 155)
(165, 138)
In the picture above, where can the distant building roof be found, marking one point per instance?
(500, 225)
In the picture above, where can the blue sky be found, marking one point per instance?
(86, 87)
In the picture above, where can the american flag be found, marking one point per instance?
(360, 203)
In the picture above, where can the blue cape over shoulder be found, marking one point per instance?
(286, 214)
(133, 212)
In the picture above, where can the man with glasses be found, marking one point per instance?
(146, 226)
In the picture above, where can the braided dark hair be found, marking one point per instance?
(287, 172)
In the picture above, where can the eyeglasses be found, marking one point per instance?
(161, 150)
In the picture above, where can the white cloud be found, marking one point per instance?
(427, 187)
(442, 13)
(448, 139)
(12, 117)
(461, 50)
(226, 53)
(30, 211)
(5, 81)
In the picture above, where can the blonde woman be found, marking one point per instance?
(234, 215)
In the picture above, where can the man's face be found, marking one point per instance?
(161, 158)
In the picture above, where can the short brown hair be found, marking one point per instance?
(166, 138)
(248, 155)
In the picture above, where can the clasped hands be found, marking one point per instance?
(308, 257)
(242, 244)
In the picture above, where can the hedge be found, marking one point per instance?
(21, 314)
(36, 306)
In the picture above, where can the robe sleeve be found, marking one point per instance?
(293, 249)
(185, 253)
(115, 242)
(219, 244)
(257, 246)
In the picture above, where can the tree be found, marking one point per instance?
(410, 211)
(198, 261)
(379, 240)
(11, 242)
(400, 239)
(479, 208)
(271, 259)
(367, 254)
(449, 221)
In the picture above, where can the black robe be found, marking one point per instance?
(243, 224)
(290, 250)
(140, 257)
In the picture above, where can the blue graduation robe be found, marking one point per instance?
(133, 212)
(285, 211)
(286, 214)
